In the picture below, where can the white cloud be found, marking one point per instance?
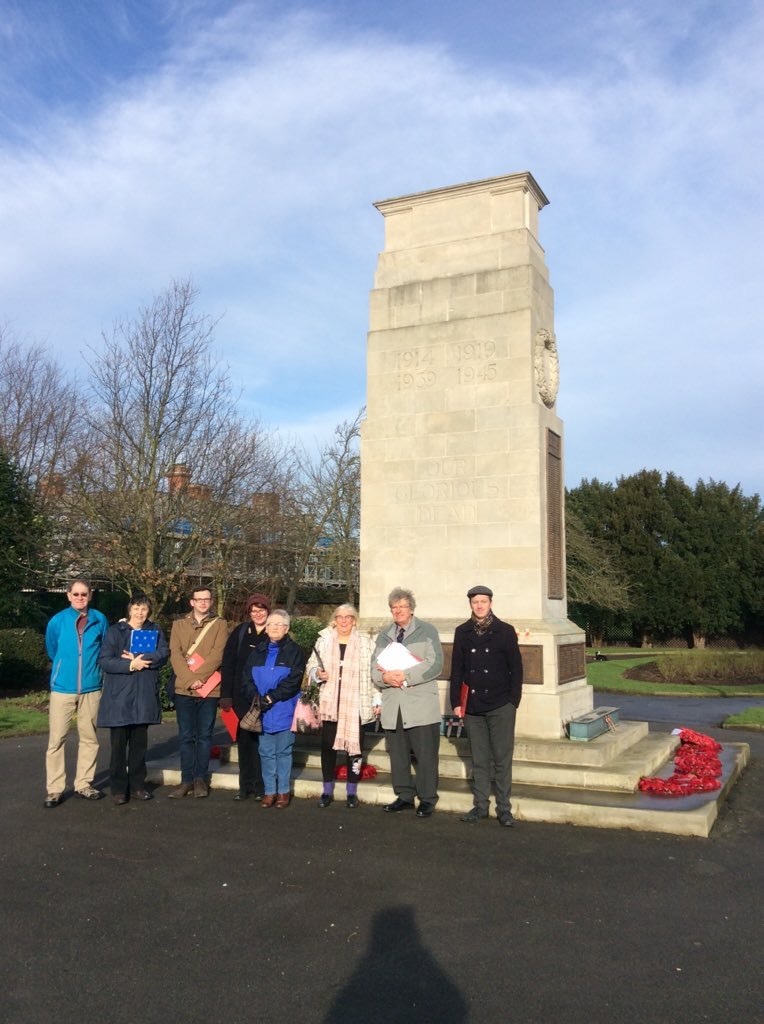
(251, 157)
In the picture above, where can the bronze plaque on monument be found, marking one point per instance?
(571, 662)
(533, 664)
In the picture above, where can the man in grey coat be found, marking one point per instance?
(411, 711)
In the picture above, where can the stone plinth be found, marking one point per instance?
(462, 449)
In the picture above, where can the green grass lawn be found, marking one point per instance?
(24, 716)
(753, 718)
(607, 677)
(28, 715)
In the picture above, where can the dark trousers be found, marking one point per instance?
(128, 758)
(329, 754)
(423, 741)
(196, 721)
(250, 772)
(492, 739)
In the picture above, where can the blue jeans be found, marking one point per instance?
(196, 720)
(276, 761)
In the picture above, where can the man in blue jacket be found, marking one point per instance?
(73, 641)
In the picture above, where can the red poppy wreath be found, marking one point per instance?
(697, 768)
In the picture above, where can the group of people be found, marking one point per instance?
(109, 677)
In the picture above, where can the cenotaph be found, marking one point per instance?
(462, 449)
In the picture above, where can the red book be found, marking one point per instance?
(209, 685)
(230, 721)
(464, 697)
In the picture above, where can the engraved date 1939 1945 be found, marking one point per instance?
(415, 368)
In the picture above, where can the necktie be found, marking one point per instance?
(399, 637)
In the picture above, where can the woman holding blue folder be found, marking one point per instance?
(132, 653)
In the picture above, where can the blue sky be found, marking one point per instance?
(243, 143)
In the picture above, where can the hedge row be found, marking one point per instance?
(24, 662)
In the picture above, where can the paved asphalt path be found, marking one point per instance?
(177, 912)
(687, 712)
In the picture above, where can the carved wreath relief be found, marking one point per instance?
(546, 364)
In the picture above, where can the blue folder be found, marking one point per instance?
(144, 641)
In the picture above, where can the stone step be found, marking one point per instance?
(620, 774)
(614, 761)
(596, 753)
(690, 816)
(574, 805)
(623, 772)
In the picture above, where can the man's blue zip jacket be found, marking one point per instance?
(75, 663)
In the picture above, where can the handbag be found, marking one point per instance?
(306, 720)
(251, 720)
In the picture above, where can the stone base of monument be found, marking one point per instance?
(592, 784)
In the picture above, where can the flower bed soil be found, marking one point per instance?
(650, 673)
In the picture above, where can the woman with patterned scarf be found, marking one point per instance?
(341, 663)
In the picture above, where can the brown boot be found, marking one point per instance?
(201, 788)
(282, 800)
(268, 800)
(180, 791)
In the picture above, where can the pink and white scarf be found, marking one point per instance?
(340, 702)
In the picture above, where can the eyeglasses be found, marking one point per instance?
(258, 607)
(77, 593)
(202, 600)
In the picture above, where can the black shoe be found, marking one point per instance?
(119, 799)
(474, 815)
(506, 819)
(53, 800)
(352, 801)
(425, 809)
(398, 805)
(325, 800)
(243, 794)
(141, 794)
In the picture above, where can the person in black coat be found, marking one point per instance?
(486, 687)
(242, 641)
(130, 698)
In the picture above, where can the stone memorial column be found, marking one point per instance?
(462, 449)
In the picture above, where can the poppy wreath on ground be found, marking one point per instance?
(368, 771)
(696, 768)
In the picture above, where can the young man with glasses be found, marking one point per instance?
(197, 642)
(73, 641)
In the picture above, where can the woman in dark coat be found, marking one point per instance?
(130, 698)
(241, 643)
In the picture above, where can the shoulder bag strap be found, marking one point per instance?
(199, 639)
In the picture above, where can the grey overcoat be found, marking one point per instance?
(418, 701)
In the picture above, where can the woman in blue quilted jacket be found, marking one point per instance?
(275, 670)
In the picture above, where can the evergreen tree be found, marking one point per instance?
(693, 557)
(21, 534)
